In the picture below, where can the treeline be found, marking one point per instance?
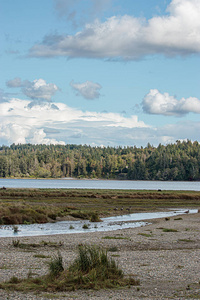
(179, 161)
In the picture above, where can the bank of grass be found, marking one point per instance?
(27, 206)
(92, 269)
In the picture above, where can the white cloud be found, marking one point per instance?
(164, 104)
(36, 90)
(39, 137)
(44, 124)
(130, 38)
(88, 90)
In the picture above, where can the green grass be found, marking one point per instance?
(186, 240)
(169, 230)
(27, 206)
(41, 256)
(115, 238)
(18, 244)
(113, 249)
(145, 234)
(92, 269)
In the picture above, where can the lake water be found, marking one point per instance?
(100, 184)
(107, 224)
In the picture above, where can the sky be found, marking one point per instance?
(99, 72)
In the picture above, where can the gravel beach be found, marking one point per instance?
(167, 263)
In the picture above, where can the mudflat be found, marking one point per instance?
(164, 256)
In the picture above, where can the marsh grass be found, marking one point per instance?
(41, 256)
(186, 240)
(18, 244)
(113, 249)
(145, 234)
(115, 238)
(27, 206)
(56, 265)
(92, 269)
(169, 230)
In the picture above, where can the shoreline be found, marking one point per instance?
(166, 263)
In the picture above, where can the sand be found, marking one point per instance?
(166, 263)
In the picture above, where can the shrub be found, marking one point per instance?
(95, 218)
(85, 226)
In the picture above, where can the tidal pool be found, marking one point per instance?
(107, 224)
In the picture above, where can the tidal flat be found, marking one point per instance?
(163, 256)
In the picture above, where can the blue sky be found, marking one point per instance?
(99, 72)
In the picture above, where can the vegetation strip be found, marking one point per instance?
(28, 206)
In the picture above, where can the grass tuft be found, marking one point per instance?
(169, 230)
(56, 265)
(92, 269)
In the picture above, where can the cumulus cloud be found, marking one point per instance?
(130, 38)
(88, 90)
(21, 123)
(164, 104)
(36, 90)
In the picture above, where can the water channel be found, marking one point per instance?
(107, 224)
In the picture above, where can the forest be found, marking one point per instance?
(178, 161)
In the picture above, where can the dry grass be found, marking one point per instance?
(25, 206)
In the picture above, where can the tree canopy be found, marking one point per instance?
(179, 161)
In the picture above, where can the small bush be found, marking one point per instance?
(95, 218)
(85, 226)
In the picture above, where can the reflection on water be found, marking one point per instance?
(107, 224)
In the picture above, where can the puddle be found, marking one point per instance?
(107, 224)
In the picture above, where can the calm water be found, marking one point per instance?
(100, 184)
(107, 224)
